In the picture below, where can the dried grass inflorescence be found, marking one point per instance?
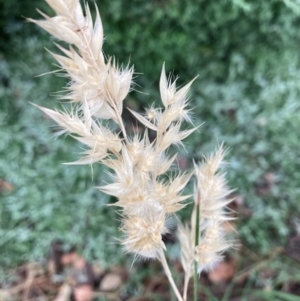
(96, 90)
(210, 198)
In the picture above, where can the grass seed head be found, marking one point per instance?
(143, 234)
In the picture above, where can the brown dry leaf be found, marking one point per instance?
(64, 293)
(223, 272)
(83, 292)
(111, 282)
(81, 272)
(121, 271)
(79, 262)
(4, 185)
(158, 285)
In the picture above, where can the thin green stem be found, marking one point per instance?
(197, 231)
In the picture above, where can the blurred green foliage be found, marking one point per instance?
(246, 54)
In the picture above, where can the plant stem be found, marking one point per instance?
(169, 275)
(185, 287)
(197, 231)
(119, 118)
(121, 124)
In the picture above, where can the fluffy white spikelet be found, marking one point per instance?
(103, 85)
(211, 192)
(143, 234)
(210, 199)
(213, 244)
(187, 244)
(212, 189)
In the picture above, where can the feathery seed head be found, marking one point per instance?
(70, 122)
(64, 8)
(211, 188)
(210, 193)
(153, 114)
(178, 183)
(143, 233)
(206, 258)
(165, 163)
(148, 160)
(209, 252)
(187, 245)
(117, 84)
(98, 88)
(168, 92)
(167, 89)
(135, 148)
(103, 85)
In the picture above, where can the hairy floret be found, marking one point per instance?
(213, 244)
(143, 233)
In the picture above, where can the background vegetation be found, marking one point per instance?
(246, 54)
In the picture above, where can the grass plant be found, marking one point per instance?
(247, 93)
(138, 166)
